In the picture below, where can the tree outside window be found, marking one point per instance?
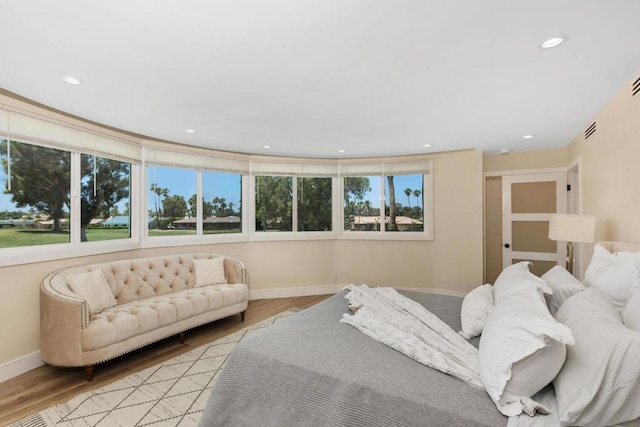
(274, 203)
(314, 204)
(105, 199)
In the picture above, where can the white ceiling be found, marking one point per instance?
(311, 77)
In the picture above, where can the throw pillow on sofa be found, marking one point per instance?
(209, 271)
(94, 289)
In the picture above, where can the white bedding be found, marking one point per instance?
(406, 326)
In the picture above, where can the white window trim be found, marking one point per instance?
(85, 139)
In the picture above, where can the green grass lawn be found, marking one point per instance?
(16, 237)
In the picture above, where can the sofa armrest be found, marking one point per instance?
(235, 270)
(62, 318)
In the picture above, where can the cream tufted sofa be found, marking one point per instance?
(156, 298)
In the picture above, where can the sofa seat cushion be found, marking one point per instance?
(124, 321)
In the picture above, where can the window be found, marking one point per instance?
(34, 205)
(391, 200)
(169, 189)
(78, 188)
(293, 197)
(221, 203)
(274, 203)
(361, 203)
(105, 202)
(400, 216)
(314, 204)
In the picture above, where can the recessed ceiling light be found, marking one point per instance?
(427, 145)
(190, 130)
(340, 151)
(527, 136)
(72, 80)
(504, 151)
(552, 42)
(266, 146)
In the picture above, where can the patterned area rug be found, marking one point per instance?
(173, 393)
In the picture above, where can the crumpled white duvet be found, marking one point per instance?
(406, 326)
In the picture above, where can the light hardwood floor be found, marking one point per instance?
(47, 386)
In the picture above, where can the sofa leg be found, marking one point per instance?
(242, 316)
(183, 336)
(89, 371)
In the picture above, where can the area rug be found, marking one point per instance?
(173, 393)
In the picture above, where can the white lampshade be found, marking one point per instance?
(572, 228)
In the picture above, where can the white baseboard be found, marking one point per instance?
(20, 366)
(295, 292)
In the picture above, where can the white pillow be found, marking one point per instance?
(617, 276)
(631, 313)
(209, 271)
(476, 306)
(93, 288)
(515, 278)
(600, 382)
(563, 284)
(522, 348)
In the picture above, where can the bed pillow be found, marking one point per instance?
(209, 271)
(631, 313)
(600, 381)
(476, 306)
(563, 284)
(94, 289)
(515, 278)
(522, 348)
(617, 276)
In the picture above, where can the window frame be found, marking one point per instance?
(79, 138)
(383, 170)
(294, 234)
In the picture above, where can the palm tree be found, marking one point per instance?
(164, 192)
(417, 194)
(393, 226)
(407, 191)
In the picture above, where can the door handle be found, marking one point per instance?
(506, 245)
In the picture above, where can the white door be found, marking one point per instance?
(528, 201)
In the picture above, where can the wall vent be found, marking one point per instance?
(635, 88)
(590, 130)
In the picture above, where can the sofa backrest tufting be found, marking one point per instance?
(136, 279)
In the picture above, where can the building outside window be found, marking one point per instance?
(221, 203)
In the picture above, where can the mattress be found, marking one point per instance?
(311, 370)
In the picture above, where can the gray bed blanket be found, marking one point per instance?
(312, 370)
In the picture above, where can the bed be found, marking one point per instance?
(312, 370)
